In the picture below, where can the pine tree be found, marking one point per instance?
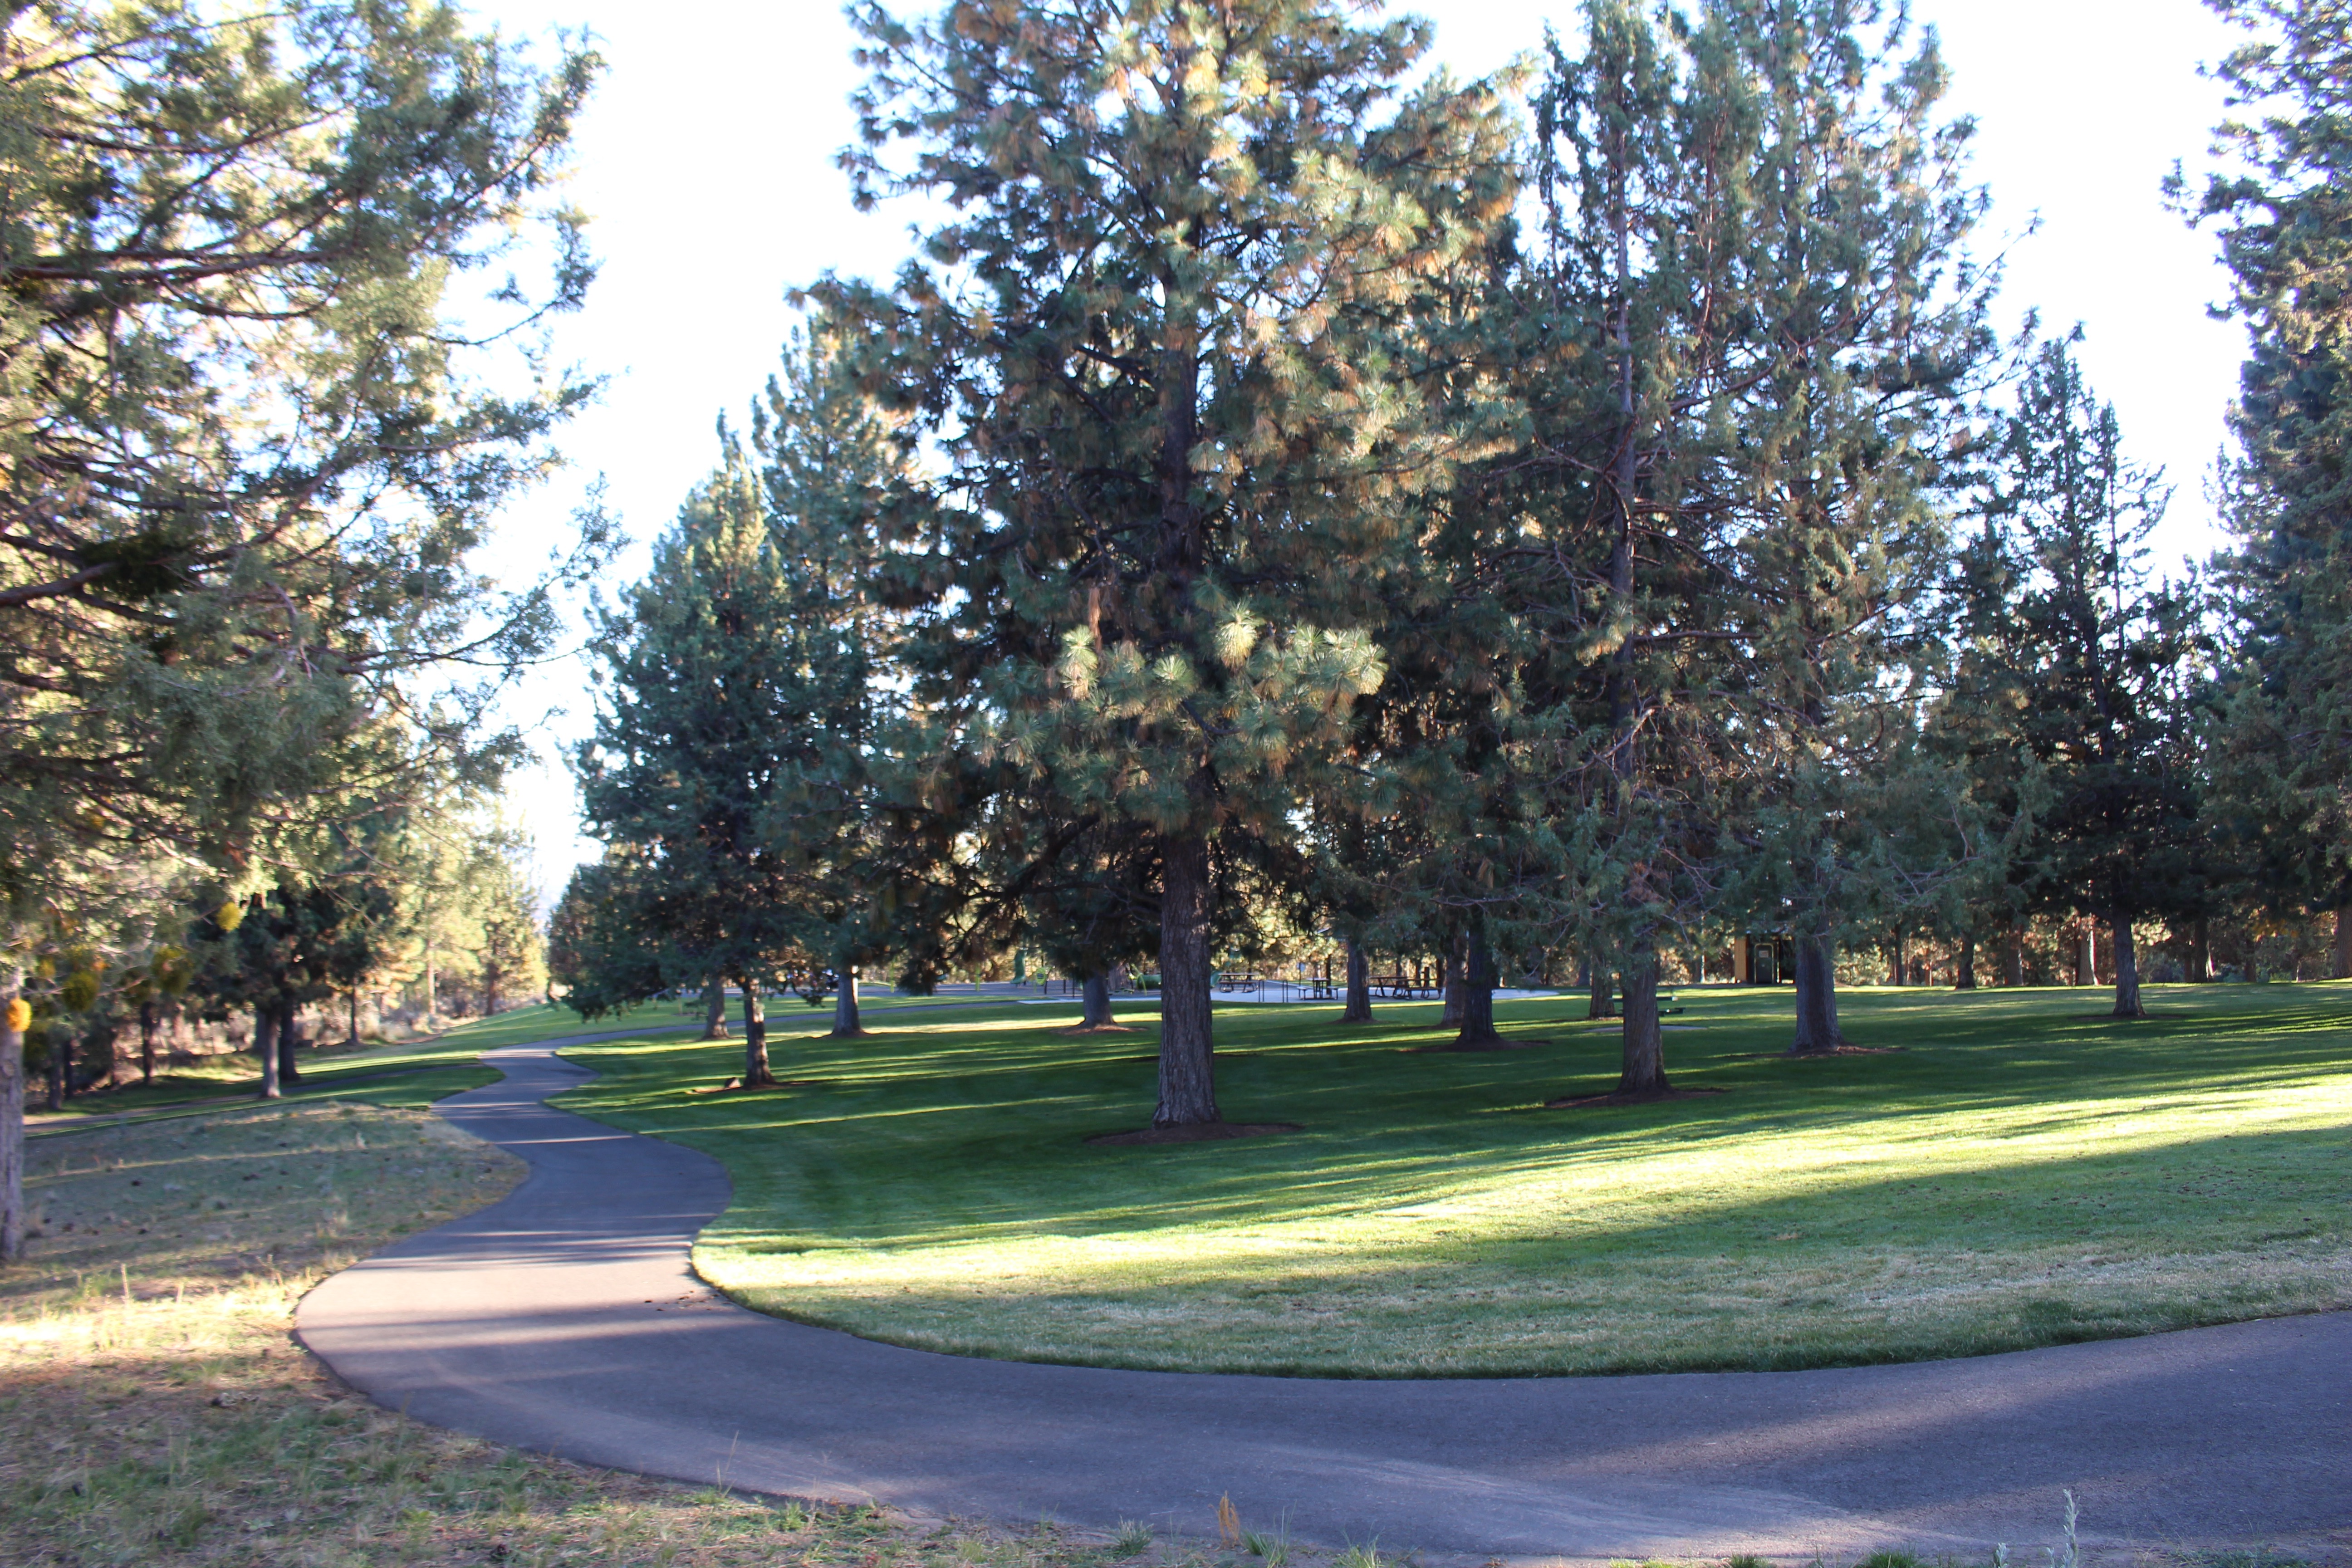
(2094, 662)
(1862, 346)
(705, 711)
(1163, 341)
(2283, 752)
(248, 452)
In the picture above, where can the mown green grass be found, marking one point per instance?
(336, 1068)
(2022, 1171)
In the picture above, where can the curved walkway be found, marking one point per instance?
(566, 1319)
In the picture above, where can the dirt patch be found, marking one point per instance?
(1082, 1030)
(735, 1086)
(1452, 1045)
(1202, 1133)
(1578, 1101)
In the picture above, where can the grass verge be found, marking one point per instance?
(2021, 1172)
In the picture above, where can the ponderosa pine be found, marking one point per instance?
(1161, 340)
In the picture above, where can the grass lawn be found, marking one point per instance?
(154, 1407)
(338, 1069)
(2021, 1172)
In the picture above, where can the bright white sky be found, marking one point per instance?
(707, 162)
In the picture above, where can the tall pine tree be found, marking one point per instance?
(2284, 753)
(1164, 340)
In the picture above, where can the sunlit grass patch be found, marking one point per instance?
(2023, 1173)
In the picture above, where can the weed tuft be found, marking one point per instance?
(1133, 1539)
(1273, 1547)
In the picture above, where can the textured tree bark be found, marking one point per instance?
(354, 1037)
(756, 1074)
(845, 1026)
(2342, 970)
(265, 1046)
(1645, 1071)
(2127, 962)
(1187, 1088)
(1603, 995)
(2012, 956)
(1817, 1020)
(714, 1007)
(290, 1042)
(1895, 976)
(1359, 1009)
(1096, 992)
(13, 1015)
(1966, 979)
(2200, 952)
(1478, 993)
(146, 1042)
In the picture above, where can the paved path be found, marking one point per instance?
(565, 1317)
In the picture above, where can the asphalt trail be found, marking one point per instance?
(566, 1319)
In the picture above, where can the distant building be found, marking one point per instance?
(1763, 958)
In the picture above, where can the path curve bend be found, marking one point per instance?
(566, 1319)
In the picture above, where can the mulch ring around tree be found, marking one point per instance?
(1578, 1101)
(735, 1086)
(1200, 1133)
(1083, 1029)
(1496, 1044)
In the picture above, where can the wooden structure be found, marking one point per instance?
(1763, 958)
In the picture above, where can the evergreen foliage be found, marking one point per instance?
(1165, 339)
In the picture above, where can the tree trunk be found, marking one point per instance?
(1645, 1047)
(1817, 1020)
(755, 1037)
(1097, 991)
(2128, 1002)
(352, 1039)
(431, 1000)
(1188, 1085)
(1478, 993)
(2343, 967)
(1603, 1002)
(2012, 956)
(2201, 952)
(1966, 979)
(146, 1042)
(289, 1041)
(265, 1046)
(15, 1014)
(1452, 968)
(1894, 966)
(1359, 1009)
(714, 1007)
(60, 1065)
(845, 1026)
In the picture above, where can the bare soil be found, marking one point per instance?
(1202, 1133)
